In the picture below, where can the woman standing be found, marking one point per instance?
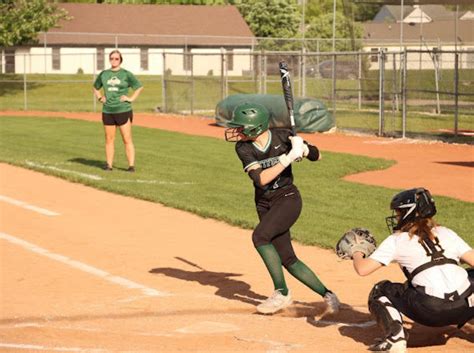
(266, 155)
(438, 291)
(117, 107)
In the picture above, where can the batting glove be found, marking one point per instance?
(296, 153)
(296, 141)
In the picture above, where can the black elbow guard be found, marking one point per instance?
(254, 174)
(313, 154)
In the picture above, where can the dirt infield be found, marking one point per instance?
(75, 277)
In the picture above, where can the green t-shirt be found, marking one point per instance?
(116, 84)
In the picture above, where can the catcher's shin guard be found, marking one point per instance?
(388, 317)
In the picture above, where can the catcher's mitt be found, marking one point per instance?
(356, 239)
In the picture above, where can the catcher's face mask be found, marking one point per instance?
(410, 206)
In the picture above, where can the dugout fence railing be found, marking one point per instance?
(407, 93)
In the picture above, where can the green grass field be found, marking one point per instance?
(204, 176)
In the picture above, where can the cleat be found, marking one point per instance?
(107, 168)
(332, 302)
(274, 303)
(131, 169)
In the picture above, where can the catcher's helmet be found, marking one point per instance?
(248, 120)
(409, 206)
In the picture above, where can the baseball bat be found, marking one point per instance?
(287, 93)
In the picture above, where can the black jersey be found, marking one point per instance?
(250, 154)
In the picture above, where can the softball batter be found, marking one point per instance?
(438, 291)
(266, 156)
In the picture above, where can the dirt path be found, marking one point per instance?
(445, 169)
(161, 280)
(84, 270)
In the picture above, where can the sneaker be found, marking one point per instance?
(274, 303)
(389, 345)
(332, 302)
(131, 169)
(107, 168)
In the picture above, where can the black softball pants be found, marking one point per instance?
(420, 307)
(277, 212)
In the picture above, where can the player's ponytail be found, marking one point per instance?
(421, 227)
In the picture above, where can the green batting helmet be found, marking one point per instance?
(249, 120)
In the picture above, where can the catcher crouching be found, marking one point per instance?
(438, 291)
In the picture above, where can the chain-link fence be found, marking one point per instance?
(394, 93)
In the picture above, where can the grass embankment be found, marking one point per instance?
(204, 176)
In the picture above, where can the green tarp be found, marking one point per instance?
(311, 115)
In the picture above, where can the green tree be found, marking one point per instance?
(366, 12)
(164, 2)
(21, 20)
(321, 27)
(362, 11)
(271, 18)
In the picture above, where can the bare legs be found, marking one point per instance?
(126, 132)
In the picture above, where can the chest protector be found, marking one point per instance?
(436, 252)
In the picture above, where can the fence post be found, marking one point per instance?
(259, 61)
(192, 82)
(334, 87)
(264, 73)
(395, 85)
(404, 84)
(359, 83)
(456, 92)
(94, 75)
(303, 73)
(381, 91)
(45, 45)
(163, 84)
(25, 95)
(223, 88)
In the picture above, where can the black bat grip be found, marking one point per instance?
(287, 93)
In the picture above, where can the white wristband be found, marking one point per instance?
(284, 160)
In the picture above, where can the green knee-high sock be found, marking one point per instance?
(273, 262)
(304, 274)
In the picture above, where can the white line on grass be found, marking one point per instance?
(99, 178)
(27, 206)
(161, 182)
(50, 167)
(83, 267)
(45, 348)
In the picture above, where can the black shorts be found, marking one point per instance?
(117, 119)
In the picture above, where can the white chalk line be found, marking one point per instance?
(46, 348)
(275, 346)
(160, 182)
(27, 206)
(50, 167)
(87, 329)
(84, 267)
(99, 178)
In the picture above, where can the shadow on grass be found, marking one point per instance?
(89, 162)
